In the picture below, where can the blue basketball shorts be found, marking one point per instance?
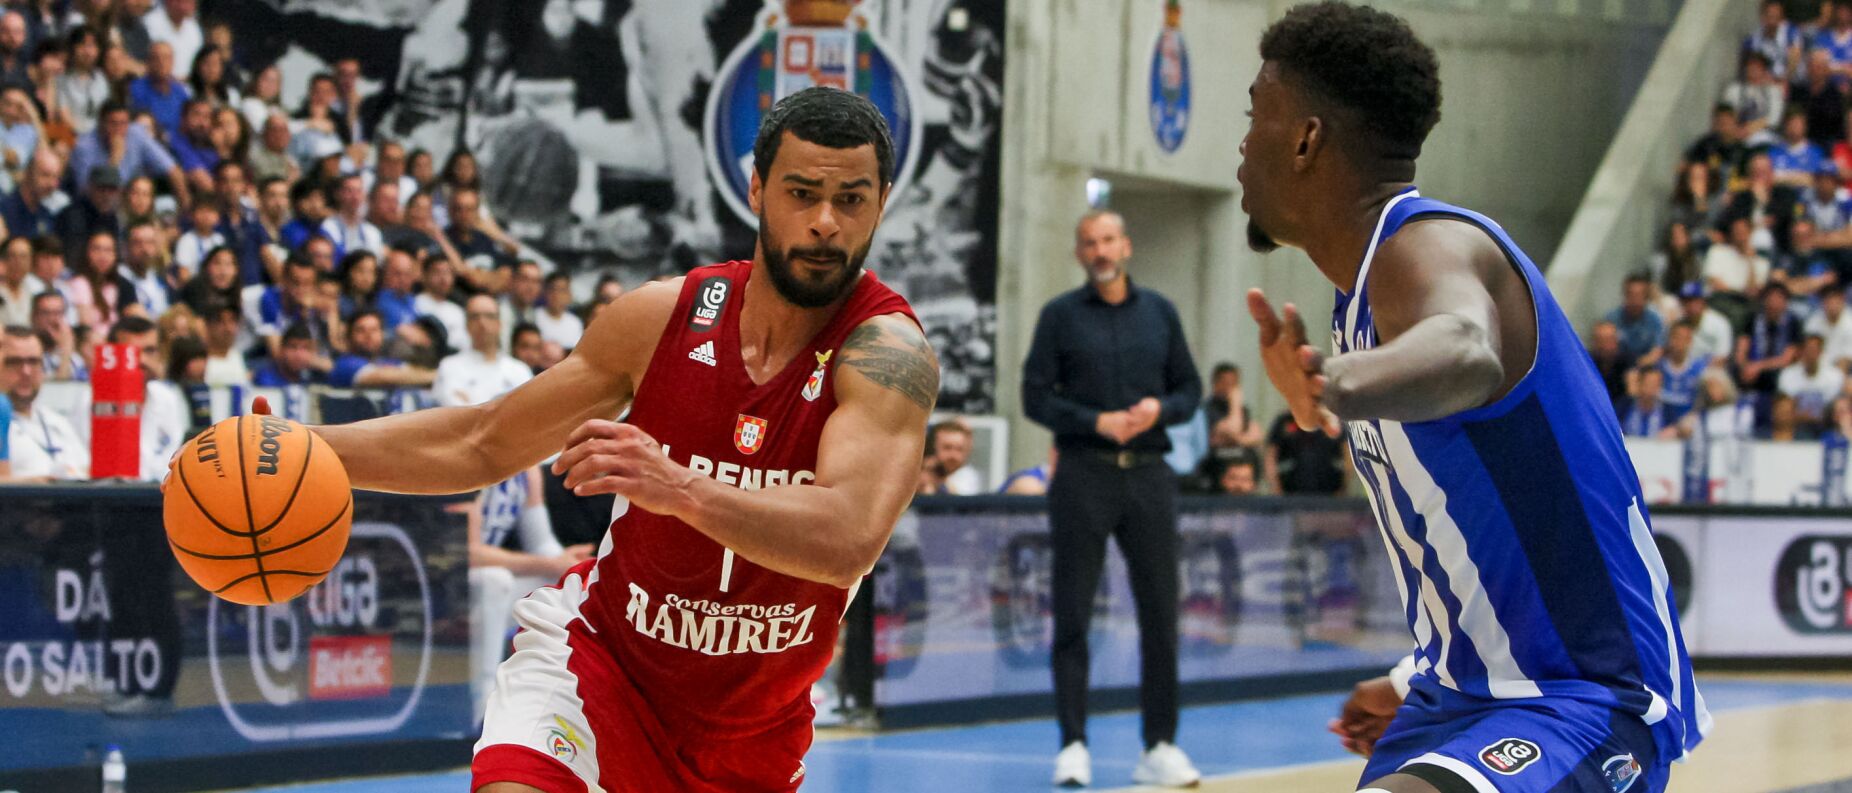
(1543, 745)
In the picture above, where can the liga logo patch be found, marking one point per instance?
(1509, 755)
(710, 300)
(749, 434)
(1621, 771)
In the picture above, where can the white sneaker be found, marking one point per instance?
(1074, 766)
(1167, 766)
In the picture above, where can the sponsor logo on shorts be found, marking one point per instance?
(710, 300)
(1621, 771)
(1510, 755)
(796, 775)
(704, 353)
(563, 741)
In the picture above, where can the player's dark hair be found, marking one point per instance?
(1224, 368)
(364, 314)
(1639, 278)
(48, 245)
(1366, 61)
(827, 117)
(298, 331)
(525, 327)
(129, 325)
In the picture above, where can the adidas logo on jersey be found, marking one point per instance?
(704, 354)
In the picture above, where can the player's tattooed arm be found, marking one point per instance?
(893, 353)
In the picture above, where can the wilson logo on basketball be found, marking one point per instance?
(206, 448)
(749, 434)
(267, 448)
(350, 667)
(1510, 755)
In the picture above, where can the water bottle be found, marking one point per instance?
(115, 771)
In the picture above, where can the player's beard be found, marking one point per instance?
(809, 290)
(1260, 241)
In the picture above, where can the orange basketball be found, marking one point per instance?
(258, 509)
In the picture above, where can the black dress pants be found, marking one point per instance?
(1089, 500)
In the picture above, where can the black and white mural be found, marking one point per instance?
(615, 135)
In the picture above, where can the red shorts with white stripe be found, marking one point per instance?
(565, 718)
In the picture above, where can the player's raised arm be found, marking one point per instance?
(868, 463)
(457, 449)
(1439, 329)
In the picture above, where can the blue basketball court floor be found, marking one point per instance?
(1773, 733)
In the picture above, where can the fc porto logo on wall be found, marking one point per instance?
(794, 45)
(1170, 81)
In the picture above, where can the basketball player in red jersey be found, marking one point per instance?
(777, 418)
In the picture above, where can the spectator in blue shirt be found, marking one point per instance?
(32, 210)
(366, 365)
(1778, 41)
(141, 155)
(294, 302)
(19, 130)
(192, 145)
(1031, 481)
(1646, 415)
(395, 301)
(1837, 41)
(1796, 159)
(293, 363)
(311, 209)
(1641, 329)
(158, 93)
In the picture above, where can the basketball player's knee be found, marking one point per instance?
(1409, 783)
(508, 787)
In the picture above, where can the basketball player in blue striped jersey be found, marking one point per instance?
(1547, 650)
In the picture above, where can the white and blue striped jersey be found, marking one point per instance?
(1525, 560)
(502, 504)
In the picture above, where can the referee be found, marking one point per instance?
(1108, 370)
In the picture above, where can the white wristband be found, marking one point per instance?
(1399, 676)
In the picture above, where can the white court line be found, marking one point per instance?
(1256, 772)
(970, 757)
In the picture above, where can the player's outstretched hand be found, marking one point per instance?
(1366, 714)
(609, 457)
(1295, 367)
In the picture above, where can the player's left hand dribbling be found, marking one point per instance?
(1364, 717)
(610, 457)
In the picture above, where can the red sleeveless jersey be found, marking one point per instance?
(716, 646)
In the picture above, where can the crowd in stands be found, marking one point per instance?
(1738, 327)
(153, 185)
